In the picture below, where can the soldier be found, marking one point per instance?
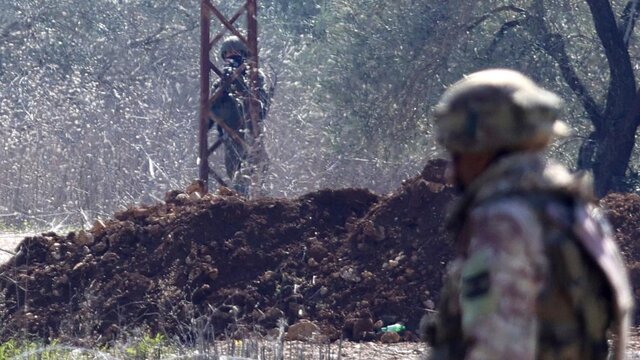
(233, 108)
(537, 273)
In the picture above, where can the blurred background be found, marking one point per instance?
(99, 99)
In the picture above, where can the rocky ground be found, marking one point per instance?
(343, 262)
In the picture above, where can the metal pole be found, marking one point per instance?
(207, 11)
(252, 30)
(233, 19)
(205, 47)
(252, 37)
(256, 155)
(225, 22)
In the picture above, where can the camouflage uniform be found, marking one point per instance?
(233, 108)
(538, 274)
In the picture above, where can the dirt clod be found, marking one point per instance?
(303, 330)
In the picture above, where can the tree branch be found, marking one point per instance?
(622, 86)
(492, 12)
(628, 20)
(154, 37)
(554, 46)
(500, 33)
(157, 37)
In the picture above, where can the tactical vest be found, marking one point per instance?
(576, 306)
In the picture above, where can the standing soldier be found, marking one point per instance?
(233, 108)
(537, 274)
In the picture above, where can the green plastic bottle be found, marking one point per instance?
(393, 328)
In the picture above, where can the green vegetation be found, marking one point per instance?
(157, 347)
(14, 349)
(147, 348)
(99, 109)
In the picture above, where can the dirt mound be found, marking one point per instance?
(623, 210)
(347, 259)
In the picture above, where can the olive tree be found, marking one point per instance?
(389, 62)
(582, 50)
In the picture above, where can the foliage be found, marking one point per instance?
(300, 17)
(149, 347)
(382, 46)
(9, 349)
(14, 349)
(383, 74)
(95, 104)
(157, 347)
(99, 100)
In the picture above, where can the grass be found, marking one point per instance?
(157, 347)
(136, 344)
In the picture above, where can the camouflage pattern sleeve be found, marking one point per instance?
(501, 279)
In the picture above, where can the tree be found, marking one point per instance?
(385, 65)
(614, 117)
(95, 98)
(608, 149)
(98, 100)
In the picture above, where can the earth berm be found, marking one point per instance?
(349, 261)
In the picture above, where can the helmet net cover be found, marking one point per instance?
(497, 109)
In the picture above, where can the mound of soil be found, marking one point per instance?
(348, 260)
(623, 211)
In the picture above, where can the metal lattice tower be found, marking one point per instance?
(249, 37)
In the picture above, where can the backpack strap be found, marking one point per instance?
(586, 243)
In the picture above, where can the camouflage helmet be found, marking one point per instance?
(497, 109)
(233, 43)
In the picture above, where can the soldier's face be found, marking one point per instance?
(464, 168)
